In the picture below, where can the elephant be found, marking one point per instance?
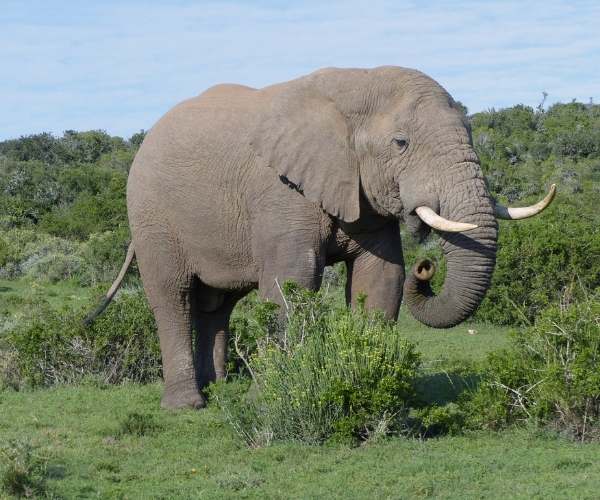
(242, 188)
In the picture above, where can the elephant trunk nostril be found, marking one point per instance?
(424, 270)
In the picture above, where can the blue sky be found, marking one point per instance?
(118, 65)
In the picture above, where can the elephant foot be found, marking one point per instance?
(179, 399)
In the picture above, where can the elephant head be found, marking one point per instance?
(393, 141)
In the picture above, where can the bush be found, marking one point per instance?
(12, 245)
(71, 200)
(434, 420)
(22, 469)
(323, 373)
(73, 146)
(42, 257)
(539, 262)
(9, 370)
(90, 213)
(53, 347)
(38, 256)
(572, 130)
(50, 259)
(102, 255)
(549, 376)
(138, 424)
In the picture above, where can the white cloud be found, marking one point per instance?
(119, 65)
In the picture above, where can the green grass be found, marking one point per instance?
(14, 294)
(115, 442)
(453, 344)
(193, 454)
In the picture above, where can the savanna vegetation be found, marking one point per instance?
(329, 402)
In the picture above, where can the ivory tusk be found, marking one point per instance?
(429, 217)
(503, 212)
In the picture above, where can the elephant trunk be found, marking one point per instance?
(470, 258)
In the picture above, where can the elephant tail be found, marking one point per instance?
(113, 289)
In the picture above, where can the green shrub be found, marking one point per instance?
(90, 212)
(549, 376)
(24, 252)
(73, 146)
(540, 261)
(42, 257)
(138, 424)
(13, 245)
(55, 267)
(118, 160)
(9, 370)
(434, 420)
(53, 347)
(323, 373)
(249, 321)
(102, 256)
(22, 469)
(42, 147)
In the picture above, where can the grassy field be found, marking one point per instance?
(194, 454)
(115, 442)
(15, 294)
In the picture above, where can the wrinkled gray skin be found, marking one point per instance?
(237, 188)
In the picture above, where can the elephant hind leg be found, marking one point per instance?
(173, 317)
(211, 326)
(168, 292)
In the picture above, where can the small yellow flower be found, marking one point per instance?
(194, 471)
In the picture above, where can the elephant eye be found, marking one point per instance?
(401, 143)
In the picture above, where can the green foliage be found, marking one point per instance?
(572, 129)
(550, 256)
(39, 256)
(548, 376)
(90, 213)
(10, 377)
(518, 133)
(250, 320)
(82, 147)
(53, 347)
(521, 150)
(102, 255)
(25, 252)
(434, 420)
(22, 469)
(324, 373)
(136, 139)
(138, 424)
(64, 182)
(540, 261)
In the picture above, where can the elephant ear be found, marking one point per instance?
(306, 140)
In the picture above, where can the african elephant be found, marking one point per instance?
(241, 188)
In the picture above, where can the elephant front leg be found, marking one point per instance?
(378, 273)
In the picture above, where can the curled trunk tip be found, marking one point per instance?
(469, 265)
(424, 270)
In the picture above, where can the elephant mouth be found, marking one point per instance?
(392, 204)
(388, 205)
(416, 227)
(396, 209)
